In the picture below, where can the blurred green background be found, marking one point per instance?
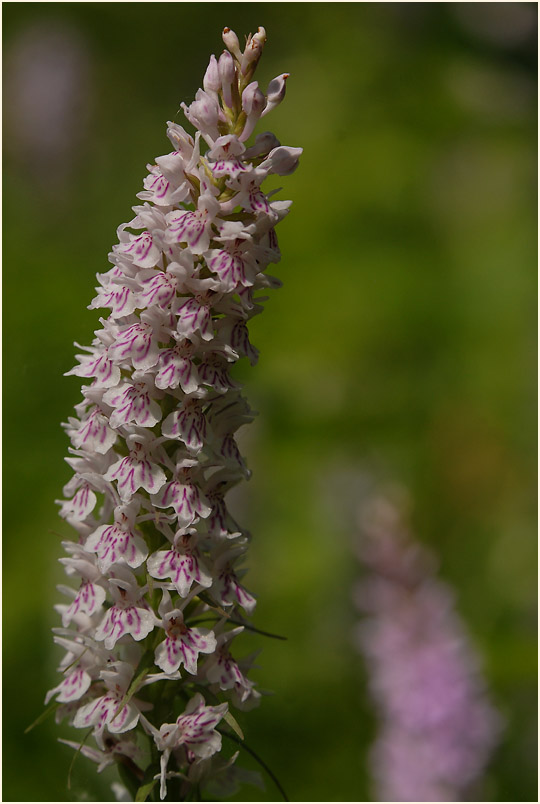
(402, 347)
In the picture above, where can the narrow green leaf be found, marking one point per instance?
(209, 602)
(200, 620)
(44, 715)
(75, 660)
(144, 790)
(147, 779)
(250, 627)
(228, 718)
(146, 663)
(75, 755)
(246, 625)
(213, 605)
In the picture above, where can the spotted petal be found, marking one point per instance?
(99, 365)
(138, 344)
(158, 288)
(183, 569)
(121, 300)
(113, 544)
(135, 472)
(187, 424)
(142, 250)
(104, 711)
(184, 648)
(176, 370)
(88, 600)
(120, 620)
(72, 687)
(81, 505)
(132, 404)
(193, 316)
(94, 434)
(186, 499)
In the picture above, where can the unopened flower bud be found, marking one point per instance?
(180, 139)
(211, 80)
(264, 143)
(203, 113)
(231, 42)
(282, 160)
(252, 52)
(275, 92)
(227, 75)
(253, 102)
(260, 37)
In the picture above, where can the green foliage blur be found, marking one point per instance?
(402, 348)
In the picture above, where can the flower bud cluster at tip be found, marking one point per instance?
(437, 727)
(155, 575)
(239, 102)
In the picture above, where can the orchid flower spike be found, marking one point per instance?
(155, 585)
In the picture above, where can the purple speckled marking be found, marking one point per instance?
(226, 672)
(272, 240)
(228, 167)
(132, 473)
(135, 342)
(182, 568)
(98, 711)
(176, 369)
(189, 425)
(140, 246)
(229, 450)
(193, 316)
(83, 502)
(114, 544)
(181, 646)
(85, 602)
(229, 267)
(74, 686)
(216, 519)
(125, 474)
(212, 372)
(258, 201)
(189, 226)
(116, 299)
(133, 405)
(120, 620)
(93, 430)
(185, 499)
(230, 588)
(240, 337)
(198, 728)
(158, 185)
(159, 289)
(105, 712)
(100, 367)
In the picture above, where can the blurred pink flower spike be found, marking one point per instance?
(437, 727)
